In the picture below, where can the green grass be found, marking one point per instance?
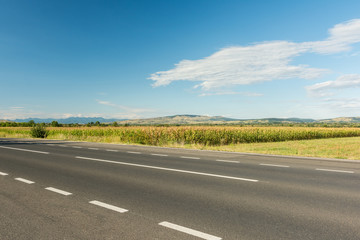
(296, 141)
(341, 148)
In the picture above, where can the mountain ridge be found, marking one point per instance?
(184, 119)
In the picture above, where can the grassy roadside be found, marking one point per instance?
(341, 148)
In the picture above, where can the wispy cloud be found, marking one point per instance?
(342, 82)
(342, 36)
(126, 112)
(267, 61)
(16, 108)
(248, 94)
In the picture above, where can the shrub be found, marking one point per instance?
(38, 131)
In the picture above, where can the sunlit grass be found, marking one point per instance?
(296, 141)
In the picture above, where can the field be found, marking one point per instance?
(331, 142)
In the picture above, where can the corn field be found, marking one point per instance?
(207, 136)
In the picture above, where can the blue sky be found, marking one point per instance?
(139, 59)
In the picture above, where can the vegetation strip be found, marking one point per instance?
(204, 135)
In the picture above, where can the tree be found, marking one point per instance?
(55, 124)
(31, 123)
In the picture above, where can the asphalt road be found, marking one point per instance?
(71, 190)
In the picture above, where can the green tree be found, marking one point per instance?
(31, 123)
(55, 124)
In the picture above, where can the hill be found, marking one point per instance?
(180, 119)
(191, 120)
(199, 119)
(342, 120)
(80, 120)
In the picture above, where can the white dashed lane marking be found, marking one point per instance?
(189, 231)
(189, 157)
(168, 169)
(24, 180)
(111, 150)
(25, 150)
(3, 174)
(76, 147)
(108, 206)
(58, 191)
(227, 161)
(333, 170)
(273, 165)
(93, 148)
(134, 152)
(160, 155)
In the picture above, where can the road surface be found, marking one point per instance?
(73, 190)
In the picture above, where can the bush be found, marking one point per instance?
(38, 131)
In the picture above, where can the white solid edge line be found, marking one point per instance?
(25, 150)
(24, 180)
(190, 157)
(227, 161)
(161, 155)
(3, 174)
(134, 152)
(273, 165)
(58, 191)
(108, 206)
(333, 170)
(189, 231)
(168, 169)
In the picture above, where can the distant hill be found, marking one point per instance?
(189, 120)
(342, 120)
(199, 119)
(2, 120)
(180, 119)
(80, 120)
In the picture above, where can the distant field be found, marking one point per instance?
(272, 140)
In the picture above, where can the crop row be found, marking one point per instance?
(211, 136)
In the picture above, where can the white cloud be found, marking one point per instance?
(69, 115)
(260, 62)
(342, 82)
(342, 36)
(126, 112)
(248, 94)
(241, 65)
(16, 108)
(106, 103)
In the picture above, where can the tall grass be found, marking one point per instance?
(207, 136)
